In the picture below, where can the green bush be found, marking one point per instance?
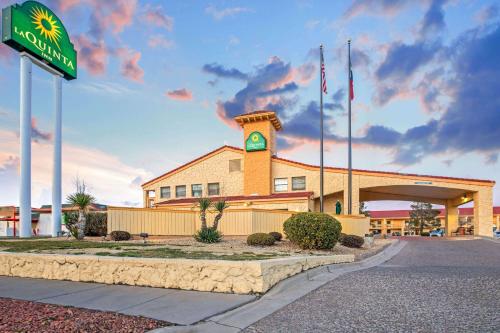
(277, 235)
(70, 221)
(352, 241)
(118, 235)
(260, 239)
(96, 224)
(208, 235)
(425, 234)
(313, 230)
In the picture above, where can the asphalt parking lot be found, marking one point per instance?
(436, 285)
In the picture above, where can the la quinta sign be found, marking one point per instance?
(39, 36)
(255, 142)
(35, 29)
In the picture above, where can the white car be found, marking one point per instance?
(496, 233)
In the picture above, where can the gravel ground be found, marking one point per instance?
(230, 245)
(23, 316)
(430, 286)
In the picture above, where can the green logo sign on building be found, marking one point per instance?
(255, 141)
(35, 29)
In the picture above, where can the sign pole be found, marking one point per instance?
(349, 195)
(56, 177)
(25, 147)
(321, 181)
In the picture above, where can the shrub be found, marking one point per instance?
(277, 235)
(352, 241)
(208, 235)
(260, 239)
(118, 235)
(96, 224)
(70, 221)
(425, 234)
(312, 230)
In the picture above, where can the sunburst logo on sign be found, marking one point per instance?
(46, 24)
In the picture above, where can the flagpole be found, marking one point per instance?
(349, 195)
(321, 207)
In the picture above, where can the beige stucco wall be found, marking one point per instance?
(215, 169)
(242, 277)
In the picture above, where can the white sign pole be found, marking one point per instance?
(25, 147)
(56, 177)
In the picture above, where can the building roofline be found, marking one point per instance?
(233, 198)
(310, 166)
(190, 163)
(259, 116)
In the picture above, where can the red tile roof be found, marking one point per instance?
(314, 166)
(405, 213)
(287, 195)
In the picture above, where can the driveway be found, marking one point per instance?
(436, 285)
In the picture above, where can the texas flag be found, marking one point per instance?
(351, 83)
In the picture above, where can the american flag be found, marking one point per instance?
(323, 73)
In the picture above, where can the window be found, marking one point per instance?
(151, 203)
(196, 190)
(151, 194)
(280, 184)
(180, 191)
(165, 192)
(388, 222)
(298, 183)
(213, 188)
(234, 165)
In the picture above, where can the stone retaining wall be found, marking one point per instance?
(241, 277)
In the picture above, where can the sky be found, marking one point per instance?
(159, 82)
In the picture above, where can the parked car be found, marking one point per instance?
(496, 233)
(437, 233)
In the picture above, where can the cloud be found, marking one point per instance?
(108, 177)
(492, 158)
(402, 60)
(160, 41)
(433, 21)
(180, 94)
(222, 72)
(105, 88)
(219, 14)
(155, 16)
(487, 13)
(130, 64)
(376, 7)
(93, 56)
(469, 122)
(37, 134)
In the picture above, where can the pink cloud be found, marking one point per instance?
(130, 64)
(5, 53)
(155, 16)
(180, 94)
(37, 134)
(160, 41)
(92, 56)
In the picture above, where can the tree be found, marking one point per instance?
(81, 199)
(363, 210)
(205, 204)
(219, 206)
(423, 216)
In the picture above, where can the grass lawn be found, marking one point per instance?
(124, 249)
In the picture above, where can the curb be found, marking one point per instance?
(282, 294)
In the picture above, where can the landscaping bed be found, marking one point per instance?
(26, 316)
(231, 248)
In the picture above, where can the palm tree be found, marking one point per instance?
(82, 200)
(204, 203)
(219, 206)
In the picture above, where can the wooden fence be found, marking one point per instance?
(235, 222)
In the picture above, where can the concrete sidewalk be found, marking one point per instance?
(180, 307)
